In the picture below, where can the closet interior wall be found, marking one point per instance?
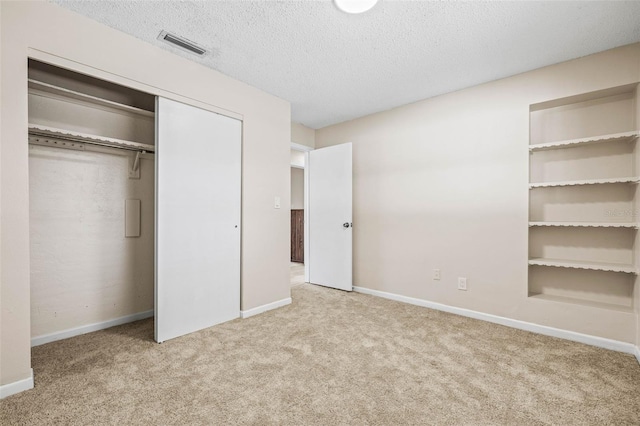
(91, 201)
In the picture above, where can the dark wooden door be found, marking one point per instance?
(297, 236)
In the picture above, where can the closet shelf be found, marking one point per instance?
(52, 132)
(583, 302)
(615, 137)
(631, 179)
(580, 264)
(45, 88)
(634, 225)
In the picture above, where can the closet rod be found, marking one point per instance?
(88, 146)
(53, 137)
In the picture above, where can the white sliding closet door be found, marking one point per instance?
(198, 161)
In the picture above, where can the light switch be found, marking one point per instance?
(277, 203)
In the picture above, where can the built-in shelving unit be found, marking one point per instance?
(583, 199)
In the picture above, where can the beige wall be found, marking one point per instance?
(442, 183)
(303, 135)
(51, 33)
(297, 188)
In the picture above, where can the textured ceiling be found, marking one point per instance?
(334, 67)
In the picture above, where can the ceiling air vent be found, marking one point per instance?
(181, 43)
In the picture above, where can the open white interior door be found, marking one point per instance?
(198, 175)
(328, 220)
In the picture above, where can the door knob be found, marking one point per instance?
(346, 224)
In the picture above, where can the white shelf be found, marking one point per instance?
(589, 303)
(52, 132)
(60, 92)
(634, 225)
(578, 264)
(631, 179)
(616, 137)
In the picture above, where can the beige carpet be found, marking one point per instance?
(329, 358)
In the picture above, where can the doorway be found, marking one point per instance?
(298, 186)
(297, 215)
(326, 234)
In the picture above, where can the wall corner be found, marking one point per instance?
(17, 386)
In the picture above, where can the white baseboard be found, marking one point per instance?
(265, 308)
(601, 342)
(71, 332)
(17, 387)
(637, 354)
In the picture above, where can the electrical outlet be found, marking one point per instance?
(276, 203)
(436, 274)
(462, 283)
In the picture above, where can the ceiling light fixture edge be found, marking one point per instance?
(354, 6)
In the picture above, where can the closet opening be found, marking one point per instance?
(92, 203)
(297, 164)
